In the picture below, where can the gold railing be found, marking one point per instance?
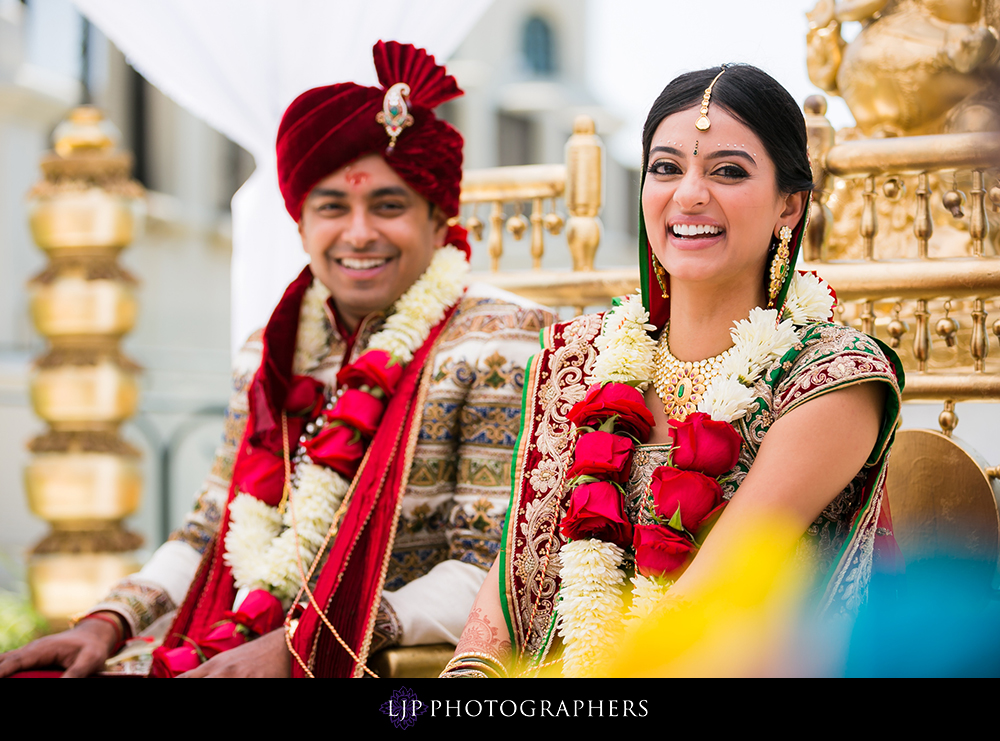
(507, 194)
(948, 299)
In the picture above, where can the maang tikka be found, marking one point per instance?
(703, 123)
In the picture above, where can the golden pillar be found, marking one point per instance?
(83, 478)
(584, 192)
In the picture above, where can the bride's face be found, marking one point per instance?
(711, 201)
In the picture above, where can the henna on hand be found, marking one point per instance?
(480, 636)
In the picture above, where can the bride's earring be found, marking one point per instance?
(779, 266)
(661, 276)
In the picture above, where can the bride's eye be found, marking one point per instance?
(731, 172)
(663, 167)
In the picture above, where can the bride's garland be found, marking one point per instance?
(684, 496)
(260, 544)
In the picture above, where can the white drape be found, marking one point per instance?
(237, 64)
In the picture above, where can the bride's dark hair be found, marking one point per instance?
(754, 98)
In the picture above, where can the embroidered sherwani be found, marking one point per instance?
(453, 508)
(838, 545)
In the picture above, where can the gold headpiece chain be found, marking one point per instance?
(703, 123)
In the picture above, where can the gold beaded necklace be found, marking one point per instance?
(680, 384)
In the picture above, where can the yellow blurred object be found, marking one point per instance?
(83, 478)
(85, 130)
(741, 624)
(72, 305)
(104, 393)
(64, 584)
(89, 219)
(71, 490)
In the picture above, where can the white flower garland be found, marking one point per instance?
(260, 544)
(589, 608)
(625, 349)
(591, 591)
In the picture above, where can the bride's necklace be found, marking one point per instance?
(680, 384)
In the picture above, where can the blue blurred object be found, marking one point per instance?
(943, 622)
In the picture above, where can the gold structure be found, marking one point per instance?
(905, 224)
(83, 478)
(948, 500)
(580, 182)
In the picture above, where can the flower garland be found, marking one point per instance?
(684, 496)
(260, 543)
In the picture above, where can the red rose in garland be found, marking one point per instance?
(704, 444)
(305, 394)
(373, 368)
(359, 410)
(659, 551)
(169, 662)
(262, 474)
(604, 455)
(222, 638)
(695, 493)
(595, 511)
(610, 399)
(261, 612)
(339, 448)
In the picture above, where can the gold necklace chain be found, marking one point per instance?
(680, 384)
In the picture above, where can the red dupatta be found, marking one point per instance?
(368, 524)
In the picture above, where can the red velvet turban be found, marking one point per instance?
(329, 127)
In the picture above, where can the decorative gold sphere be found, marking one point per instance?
(948, 420)
(475, 227)
(894, 188)
(553, 223)
(953, 200)
(995, 196)
(517, 225)
(816, 105)
(896, 329)
(946, 328)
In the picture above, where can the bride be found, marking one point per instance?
(722, 394)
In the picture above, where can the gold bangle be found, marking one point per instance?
(475, 658)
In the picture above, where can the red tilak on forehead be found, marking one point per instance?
(357, 178)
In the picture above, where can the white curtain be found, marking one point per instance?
(237, 64)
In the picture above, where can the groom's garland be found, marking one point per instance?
(684, 496)
(261, 540)
(260, 544)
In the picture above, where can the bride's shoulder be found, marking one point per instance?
(829, 338)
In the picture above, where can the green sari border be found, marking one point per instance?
(529, 383)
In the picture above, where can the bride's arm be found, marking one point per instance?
(808, 456)
(485, 634)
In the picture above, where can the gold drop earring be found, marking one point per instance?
(661, 275)
(779, 266)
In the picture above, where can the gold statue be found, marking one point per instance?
(917, 67)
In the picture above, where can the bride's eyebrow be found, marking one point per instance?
(721, 153)
(666, 150)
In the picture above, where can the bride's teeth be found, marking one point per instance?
(358, 264)
(693, 230)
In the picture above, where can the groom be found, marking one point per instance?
(421, 444)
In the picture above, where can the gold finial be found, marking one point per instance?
(84, 131)
(703, 123)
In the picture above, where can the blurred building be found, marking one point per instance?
(523, 71)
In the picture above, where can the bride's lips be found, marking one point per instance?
(693, 235)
